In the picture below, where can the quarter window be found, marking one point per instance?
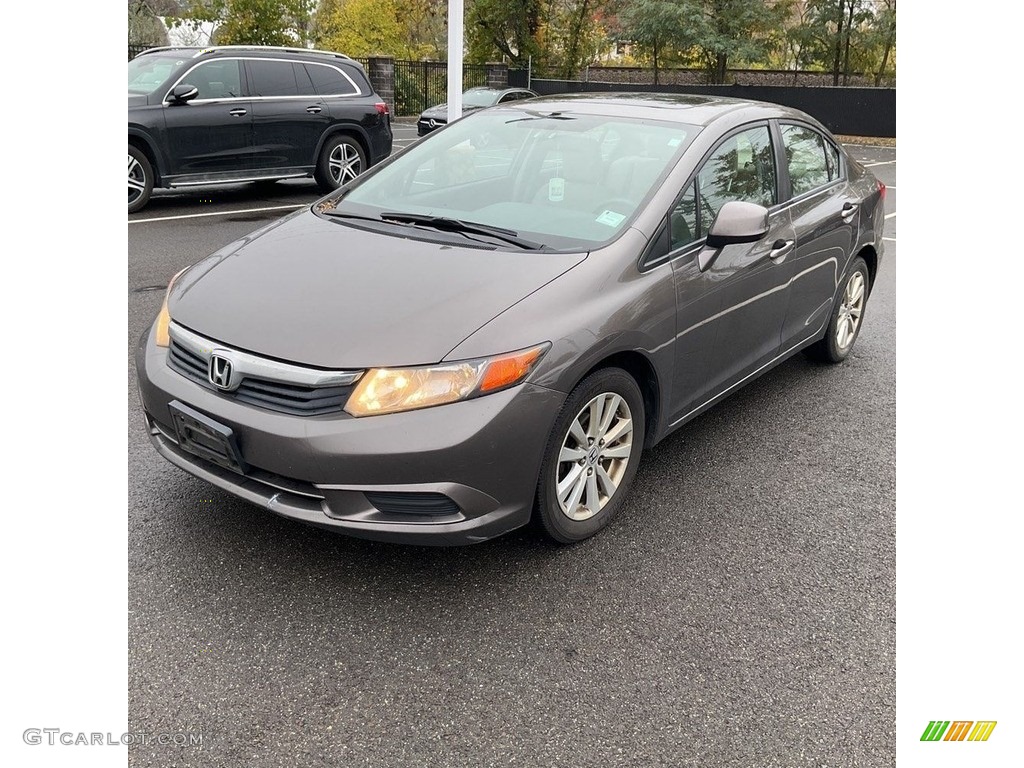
(805, 155)
(742, 168)
(683, 220)
(328, 81)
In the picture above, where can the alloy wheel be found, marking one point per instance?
(136, 180)
(850, 310)
(594, 456)
(344, 163)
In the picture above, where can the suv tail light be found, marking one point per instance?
(381, 107)
(881, 190)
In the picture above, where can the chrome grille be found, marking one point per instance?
(316, 392)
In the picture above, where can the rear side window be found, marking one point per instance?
(329, 81)
(805, 154)
(272, 78)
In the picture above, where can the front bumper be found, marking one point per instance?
(482, 454)
(423, 127)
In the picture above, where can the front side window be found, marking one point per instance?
(216, 79)
(742, 168)
(805, 155)
(683, 220)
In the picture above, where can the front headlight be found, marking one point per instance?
(390, 390)
(163, 320)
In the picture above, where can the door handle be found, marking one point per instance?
(781, 248)
(314, 110)
(849, 209)
(236, 112)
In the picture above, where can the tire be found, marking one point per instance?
(571, 518)
(341, 160)
(847, 316)
(140, 179)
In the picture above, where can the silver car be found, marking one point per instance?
(474, 334)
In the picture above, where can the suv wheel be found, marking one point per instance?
(140, 179)
(341, 160)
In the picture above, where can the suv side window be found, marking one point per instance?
(805, 154)
(272, 78)
(742, 168)
(328, 81)
(216, 79)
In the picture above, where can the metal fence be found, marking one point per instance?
(423, 84)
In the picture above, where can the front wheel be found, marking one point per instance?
(341, 160)
(140, 179)
(592, 456)
(845, 322)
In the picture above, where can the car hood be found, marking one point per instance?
(317, 292)
(441, 111)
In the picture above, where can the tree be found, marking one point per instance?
(737, 29)
(508, 29)
(360, 28)
(656, 25)
(253, 22)
(572, 35)
(144, 28)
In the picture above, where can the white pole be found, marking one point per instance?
(455, 32)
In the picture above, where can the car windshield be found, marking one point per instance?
(147, 73)
(564, 181)
(482, 98)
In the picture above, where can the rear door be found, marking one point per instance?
(288, 116)
(824, 219)
(211, 135)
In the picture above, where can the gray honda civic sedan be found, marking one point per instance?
(480, 332)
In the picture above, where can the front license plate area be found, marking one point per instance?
(203, 437)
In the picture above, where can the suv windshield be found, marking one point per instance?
(147, 73)
(567, 181)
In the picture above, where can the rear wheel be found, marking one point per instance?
(341, 160)
(844, 325)
(140, 179)
(592, 456)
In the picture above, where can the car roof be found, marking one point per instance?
(692, 109)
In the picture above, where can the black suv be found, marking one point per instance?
(244, 113)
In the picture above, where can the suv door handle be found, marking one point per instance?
(314, 110)
(236, 112)
(848, 210)
(781, 248)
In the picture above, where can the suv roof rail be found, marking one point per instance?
(284, 48)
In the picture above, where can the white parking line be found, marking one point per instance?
(884, 162)
(218, 213)
(890, 215)
(890, 239)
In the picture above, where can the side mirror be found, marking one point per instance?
(736, 222)
(182, 93)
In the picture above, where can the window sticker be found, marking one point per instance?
(610, 218)
(556, 189)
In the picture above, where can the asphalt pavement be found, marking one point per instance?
(739, 612)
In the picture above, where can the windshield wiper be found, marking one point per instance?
(464, 227)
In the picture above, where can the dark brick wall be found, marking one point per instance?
(645, 76)
(381, 71)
